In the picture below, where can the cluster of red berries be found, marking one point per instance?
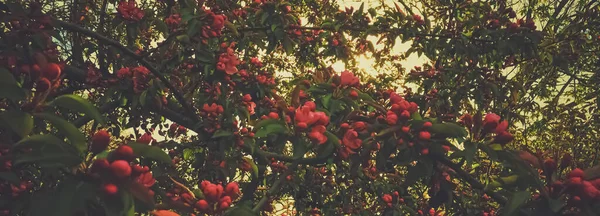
(490, 124)
(250, 105)
(173, 21)
(216, 198)
(580, 189)
(217, 22)
(277, 166)
(306, 116)
(140, 77)
(390, 199)
(119, 169)
(228, 60)
(350, 143)
(400, 110)
(130, 11)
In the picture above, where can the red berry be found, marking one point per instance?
(424, 135)
(100, 141)
(273, 115)
(202, 205)
(100, 164)
(387, 198)
(405, 129)
(124, 152)
(425, 151)
(120, 168)
(42, 85)
(35, 71)
(232, 189)
(110, 189)
(576, 173)
(427, 124)
(52, 71)
(353, 94)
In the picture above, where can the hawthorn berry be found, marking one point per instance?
(120, 168)
(42, 85)
(124, 152)
(424, 135)
(110, 189)
(100, 141)
(52, 71)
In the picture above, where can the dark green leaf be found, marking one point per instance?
(161, 26)
(253, 165)
(448, 130)
(150, 152)
(9, 87)
(79, 104)
(10, 177)
(518, 198)
(222, 134)
(20, 122)
(75, 136)
(422, 169)
(271, 129)
(241, 211)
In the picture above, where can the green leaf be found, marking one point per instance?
(150, 152)
(57, 159)
(266, 122)
(271, 129)
(363, 96)
(300, 149)
(470, 150)
(128, 204)
(10, 177)
(198, 193)
(79, 104)
(333, 139)
(222, 134)
(41, 141)
(253, 165)
(517, 200)
(9, 87)
(183, 38)
(288, 45)
(75, 136)
(241, 211)
(161, 26)
(449, 130)
(20, 122)
(423, 168)
(231, 27)
(416, 116)
(383, 155)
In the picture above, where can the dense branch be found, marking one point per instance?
(397, 31)
(125, 50)
(469, 179)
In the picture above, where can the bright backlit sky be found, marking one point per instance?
(366, 63)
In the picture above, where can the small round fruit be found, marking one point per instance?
(124, 152)
(100, 141)
(42, 85)
(110, 189)
(52, 71)
(120, 168)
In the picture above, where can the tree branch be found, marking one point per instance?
(397, 31)
(469, 179)
(125, 50)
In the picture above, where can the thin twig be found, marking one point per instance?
(125, 50)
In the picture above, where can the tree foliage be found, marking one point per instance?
(194, 107)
